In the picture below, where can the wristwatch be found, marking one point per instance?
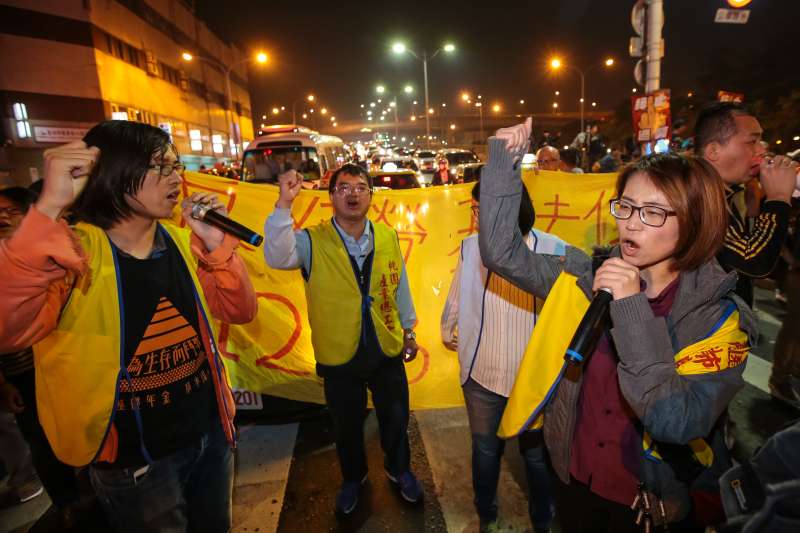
(411, 336)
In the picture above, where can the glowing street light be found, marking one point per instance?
(496, 108)
(556, 64)
(380, 89)
(308, 98)
(400, 48)
(522, 102)
(324, 110)
(263, 117)
(465, 96)
(408, 89)
(275, 110)
(260, 57)
(452, 126)
(555, 105)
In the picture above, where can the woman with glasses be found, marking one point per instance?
(634, 431)
(118, 309)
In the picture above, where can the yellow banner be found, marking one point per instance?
(273, 354)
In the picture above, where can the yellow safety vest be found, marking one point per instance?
(335, 300)
(543, 364)
(80, 363)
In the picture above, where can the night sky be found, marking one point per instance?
(341, 50)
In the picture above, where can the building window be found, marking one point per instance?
(218, 144)
(23, 125)
(196, 140)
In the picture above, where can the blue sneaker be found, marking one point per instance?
(410, 487)
(347, 498)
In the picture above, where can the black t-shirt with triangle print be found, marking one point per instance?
(169, 377)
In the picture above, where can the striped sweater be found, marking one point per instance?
(753, 251)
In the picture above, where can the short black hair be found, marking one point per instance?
(353, 170)
(527, 214)
(126, 149)
(570, 156)
(715, 123)
(20, 196)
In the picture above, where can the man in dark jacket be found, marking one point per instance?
(728, 137)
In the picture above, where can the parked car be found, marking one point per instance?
(426, 161)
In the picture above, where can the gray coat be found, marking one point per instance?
(671, 407)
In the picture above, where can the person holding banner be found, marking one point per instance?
(118, 309)
(634, 430)
(489, 321)
(362, 319)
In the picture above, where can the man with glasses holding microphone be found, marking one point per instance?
(362, 318)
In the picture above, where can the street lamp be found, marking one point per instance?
(479, 105)
(496, 108)
(556, 64)
(400, 48)
(260, 57)
(309, 98)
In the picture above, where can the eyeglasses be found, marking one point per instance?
(168, 169)
(345, 188)
(650, 215)
(10, 211)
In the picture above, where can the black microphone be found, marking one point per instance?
(590, 329)
(209, 216)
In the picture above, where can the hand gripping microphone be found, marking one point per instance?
(204, 212)
(590, 329)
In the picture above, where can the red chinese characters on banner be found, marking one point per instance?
(651, 116)
(709, 358)
(388, 292)
(405, 220)
(737, 352)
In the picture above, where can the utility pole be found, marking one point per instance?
(647, 19)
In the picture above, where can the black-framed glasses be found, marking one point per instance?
(167, 169)
(345, 188)
(10, 211)
(650, 215)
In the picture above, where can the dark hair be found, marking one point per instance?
(527, 214)
(22, 197)
(715, 123)
(695, 192)
(353, 170)
(570, 156)
(126, 149)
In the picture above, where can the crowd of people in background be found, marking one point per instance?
(633, 437)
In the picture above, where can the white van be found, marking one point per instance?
(280, 147)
